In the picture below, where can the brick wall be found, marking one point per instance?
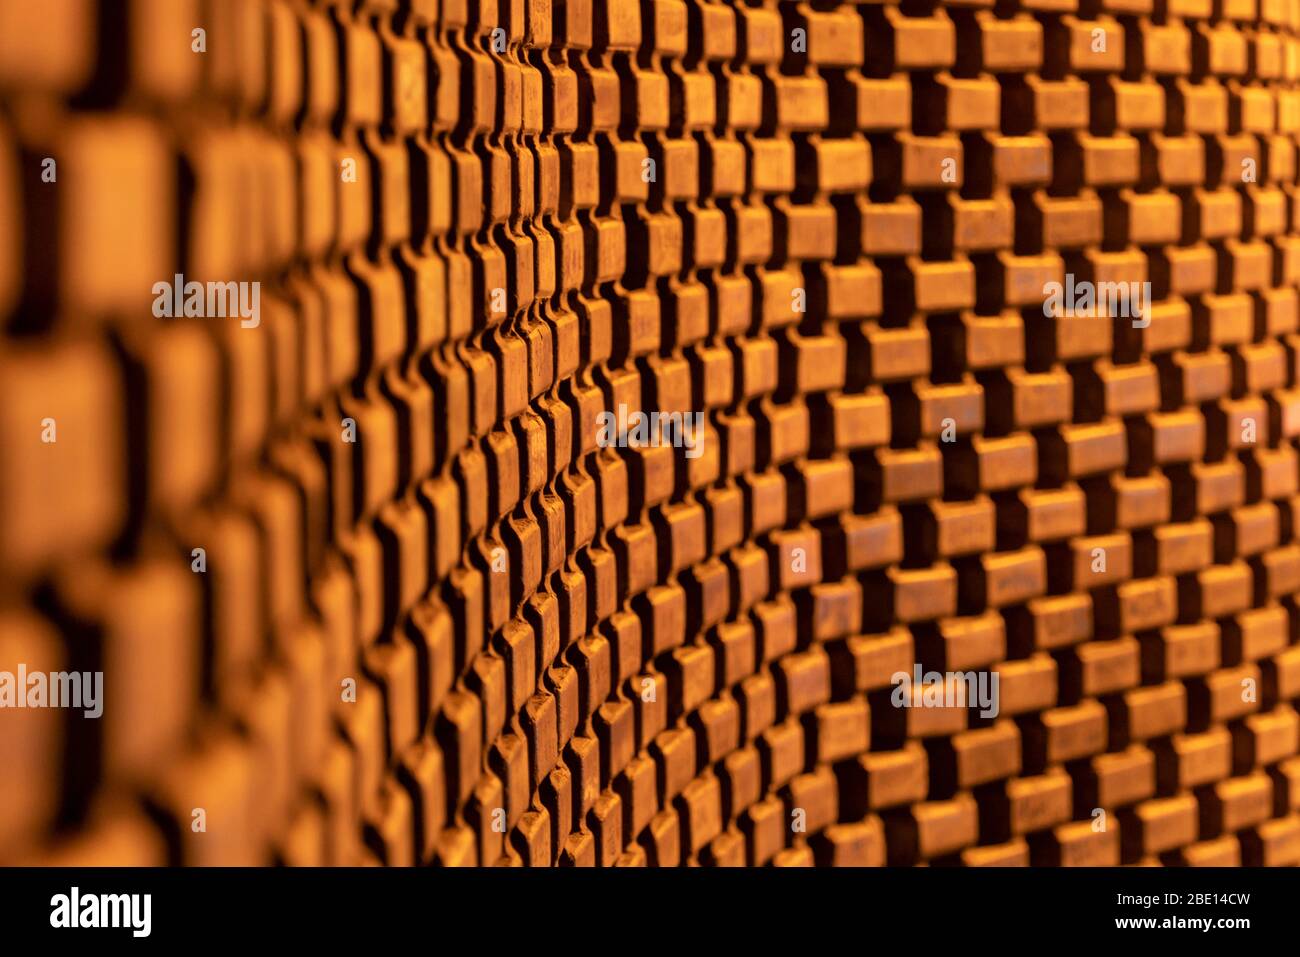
(368, 583)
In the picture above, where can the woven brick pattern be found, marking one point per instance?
(435, 618)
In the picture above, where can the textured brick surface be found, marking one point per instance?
(440, 622)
